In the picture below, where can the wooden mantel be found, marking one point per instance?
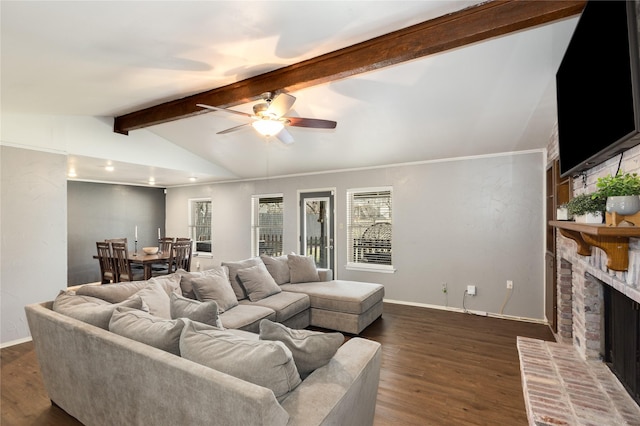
(613, 240)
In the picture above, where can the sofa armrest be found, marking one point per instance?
(325, 274)
(344, 391)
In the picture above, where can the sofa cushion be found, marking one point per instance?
(352, 297)
(204, 312)
(89, 309)
(258, 282)
(286, 304)
(185, 278)
(215, 286)
(310, 349)
(118, 292)
(265, 363)
(148, 329)
(233, 274)
(156, 299)
(278, 267)
(112, 293)
(246, 317)
(302, 269)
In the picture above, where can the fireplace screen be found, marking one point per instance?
(622, 341)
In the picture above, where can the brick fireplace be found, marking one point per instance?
(566, 382)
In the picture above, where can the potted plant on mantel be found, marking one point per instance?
(587, 208)
(621, 192)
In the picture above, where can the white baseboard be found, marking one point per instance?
(15, 342)
(469, 311)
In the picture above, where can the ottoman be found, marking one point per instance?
(347, 306)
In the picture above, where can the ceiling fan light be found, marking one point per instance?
(268, 127)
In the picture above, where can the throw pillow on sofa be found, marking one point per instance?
(310, 349)
(186, 277)
(278, 267)
(156, 299)
(215, 287)
(233, 274)
(302, 269)
(89, 309)
(258, 282)
(264, 363)
(204, 312)
(148, 329)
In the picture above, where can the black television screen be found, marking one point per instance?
(597, 87)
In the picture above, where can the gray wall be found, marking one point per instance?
(99, 211)
(33, 252)
(468, 221)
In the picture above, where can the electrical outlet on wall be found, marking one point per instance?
(471, 290)
(444, 288)
(509, 284)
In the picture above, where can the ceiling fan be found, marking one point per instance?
(269, 120)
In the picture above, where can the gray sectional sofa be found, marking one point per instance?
(166, 366)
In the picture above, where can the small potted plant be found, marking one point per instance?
(562, 213)
(587, 208)
(621, 192)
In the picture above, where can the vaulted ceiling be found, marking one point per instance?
(406, 81)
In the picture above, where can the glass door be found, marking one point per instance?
(317, 227)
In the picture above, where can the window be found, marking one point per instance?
(369, 229)
(200, 224)
(266, 223)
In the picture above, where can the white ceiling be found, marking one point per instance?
(105, 59)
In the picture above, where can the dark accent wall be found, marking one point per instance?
(97, 211)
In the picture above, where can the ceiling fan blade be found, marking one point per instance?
(233, 129)
(281, 104)
(284, 136)
(244, 114)
(311, 122)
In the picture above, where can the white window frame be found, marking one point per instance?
(255, 229)
(362, 266)
(192, 227)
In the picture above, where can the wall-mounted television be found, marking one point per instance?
(598, 86)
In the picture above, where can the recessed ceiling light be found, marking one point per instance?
(193, 178)
(152, 181)
(109, 168)
(72, 173)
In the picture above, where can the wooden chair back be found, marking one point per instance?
(117, 240)
(121, 258)
(107, 265)
(181, 256)
(165, 244)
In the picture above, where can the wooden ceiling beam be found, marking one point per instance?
(471, 25)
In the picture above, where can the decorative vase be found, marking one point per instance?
(623, 204)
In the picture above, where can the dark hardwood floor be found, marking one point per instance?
(438, 368)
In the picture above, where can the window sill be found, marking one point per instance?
(383, 269)
(203, 255)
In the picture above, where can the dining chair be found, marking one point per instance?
(136, 268)
(180, 256)
(183, 239)
(107, 265)
(165, 244)
(124, 272)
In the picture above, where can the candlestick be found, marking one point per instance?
(159, 233)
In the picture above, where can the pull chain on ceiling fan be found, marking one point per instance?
(269, 118)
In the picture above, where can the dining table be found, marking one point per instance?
(147, 260)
